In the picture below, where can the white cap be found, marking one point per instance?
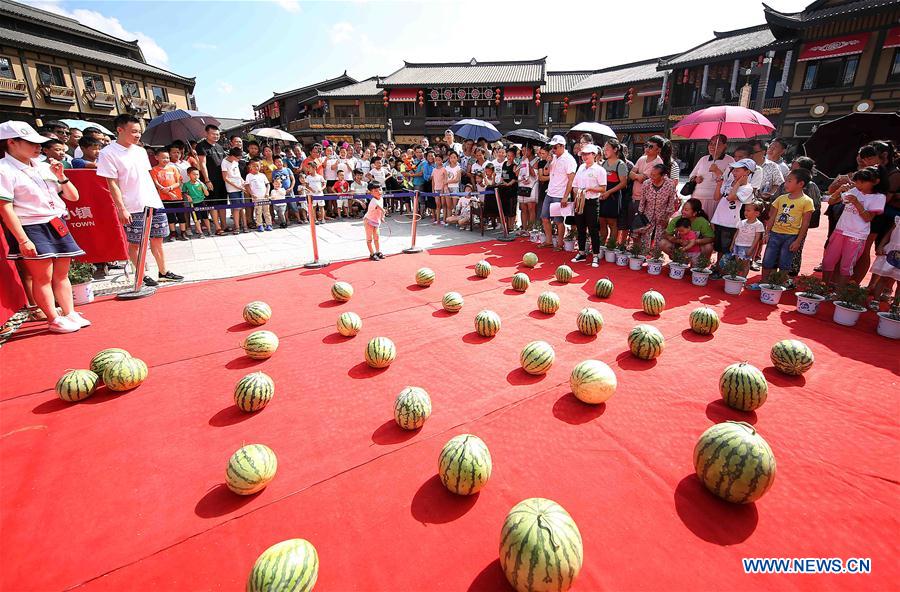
(557, 140)
(592, 148)
(21, 130)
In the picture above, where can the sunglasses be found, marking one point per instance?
(652, 146)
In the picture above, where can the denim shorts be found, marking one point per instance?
(545, 209)
(778, 251)
(740, 252)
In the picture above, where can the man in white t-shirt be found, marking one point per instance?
(559, 188)
(126, 168)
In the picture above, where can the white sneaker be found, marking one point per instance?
(596, 262)
(79, 320)
(62, 324)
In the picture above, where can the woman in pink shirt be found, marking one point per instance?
(439, 186)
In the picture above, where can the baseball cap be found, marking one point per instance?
(21, 130)
(744, 163)
(592, 148)
(557, 140)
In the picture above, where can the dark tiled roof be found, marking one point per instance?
(620, 75)
(51, 19)
(342, 78)
(727, 44)
(813, 13)
(364, 88)
(472, 72)
(562, 82)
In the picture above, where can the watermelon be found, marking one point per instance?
(646, 342)
(76, 385)
(653, 303)
(250, 469)
(603, 288)
(257, 313)
(529, 259)
(341, 291)
(452, 301)
(380, 352)
(564, 274)
(734, 462)
(487, 323)
(465, 464)
(424, 277)
(589, 321)
(548, 302)
(792, 357)
(540, 547)
(288, 566)
(704, 321)
(520, 282)
(349, 324)
(105, 357)
(593, 382)
(124, 375)
(412, 408)
(482, 269)
(254, 391)
(537, 357)
(260, 345)
(743, 387)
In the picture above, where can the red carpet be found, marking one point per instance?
(126, 492)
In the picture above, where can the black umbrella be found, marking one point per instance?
(834, 144)
(527, 136)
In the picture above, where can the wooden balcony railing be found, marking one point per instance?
(100, 100)
(164, 106)
(135, 104)
(331, 123)
(11, 88)
(57, 94)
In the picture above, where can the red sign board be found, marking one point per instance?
(893, 38)
(93, 220)
(834, 47)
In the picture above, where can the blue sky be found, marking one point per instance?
(242, 51)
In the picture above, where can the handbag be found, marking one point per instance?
(688, 188)
(640, 222)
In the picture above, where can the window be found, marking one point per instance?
(404, 109)
(50, 75)
(130, 89)
(651, 106)
(894, 75)
(346, 111)
(94, 82)
(616, 110)
(488, 113)
(374, 110)
(519, 108)
(6, 68)
(553, 112)
(583, 112)
(831, 73)
(160, 94)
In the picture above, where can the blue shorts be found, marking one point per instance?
(545, 209)
(778, 251)
(740, 252)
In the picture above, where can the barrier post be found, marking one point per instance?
(315, 263)
(506, 237)
(415, 212)
(139, 290)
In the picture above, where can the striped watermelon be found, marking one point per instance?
(465, 464)
(349, 324)
(537, 357)
(593, 382)
(792, 357)
(105, 357)
(254, 391)
(487, 323)
(548, 302)
(380, 352)
(520, 282)
(424, 277)
(589, 321)
(260, 345)
(603, 288)
(734, 462)
(653, 303)
(646, 342)
(288, 566)
(482, 269)
(704, 321)
(452, 301)
(412, 408)
(124, 375)
(341, 291)
(257, 313)
(529, 259)
(564, 274)
(540, 547)
(76, 385)
(250, 469)
(743, 387)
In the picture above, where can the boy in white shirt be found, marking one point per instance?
(748, 235)
(358, 187)
(257, 187)
(315, 185)
(234, 188)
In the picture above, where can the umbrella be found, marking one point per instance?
(273, 134)
(180, 124)
(834, 144)
(734, 122)
(594, 128)
(527, 136)
(82, 125)
(475, 129)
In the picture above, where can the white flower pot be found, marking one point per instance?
(635, 263)
(542, 238)
(734, 285)
(769, 294)
(700, 277)
(602, 252)
(568, 245)
(83, 293)
(808, 304)
(654, 267)
(676, 270)
(621, 259)
(534, 236)
(888, 327)
(845, 315)
(610, 255)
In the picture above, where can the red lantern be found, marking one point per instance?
(537, 102)
(357, 102)
(565, 111)
(593, 107)
(759, 60)
(684, 76)
(497, 102)
(593, 95)
(385, 103)
(421, 93)
(384, 93)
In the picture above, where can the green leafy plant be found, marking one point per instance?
(636, 249)
(731, 268)
(894, 310)
(81, 273)
(811, 285)
(776, 279)
(679, 256)
(852, 295)
(611, 243)
(702, 263)
(656, 254)
(572, 233)
(622, 247)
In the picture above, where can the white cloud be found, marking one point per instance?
(201, 45)
(340, 32)
(289, 5)
(223, 87)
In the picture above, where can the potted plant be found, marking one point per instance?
(700, 273)
(655, 262)
(771, 290)
(636, 255)
(678, 264)
(731, 273)
(849, 304)
(889, 322)
(622, 254)
(569, 240)
(610, 250)
(535, 233)
(80, 276)
(812, 293)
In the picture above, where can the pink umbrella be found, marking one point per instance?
(734, 122)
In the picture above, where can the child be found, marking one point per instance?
(439, 186)
(283, 179)
(361, 188)
(454, 176)
(315, 184)
(197, 192)
(167, 179)
(90, 150)
(257, 187)
(861, 204)
(234, 187)
(276, 193)
(683, 235)
(374, 218)
(462, 214)
(748, 235)
(886, 269)
(341, 187)
(55, 150)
